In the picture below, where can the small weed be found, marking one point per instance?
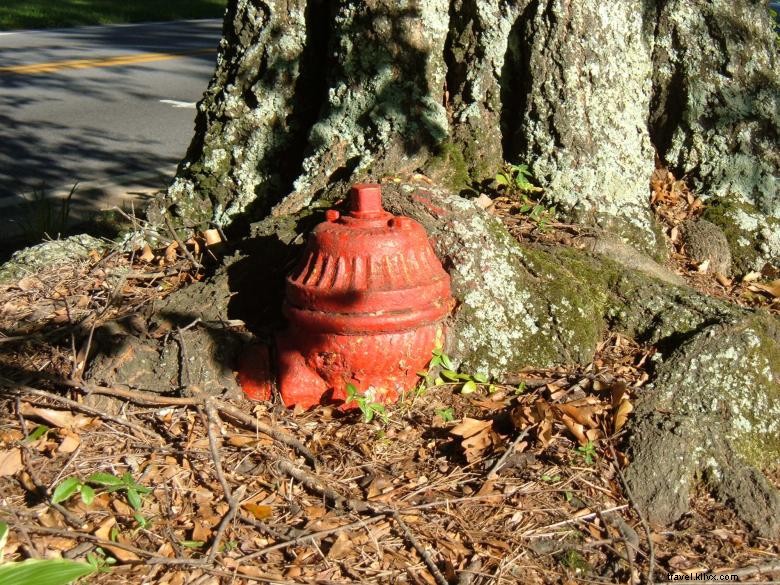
(449, 375)
(46, 215)
(550, 478)
(100, 561)
(109, 482)
(369, 408)
(446, 414)
(574, 561)
(587, 452)
(514, 180)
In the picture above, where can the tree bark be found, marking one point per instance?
(309, 96)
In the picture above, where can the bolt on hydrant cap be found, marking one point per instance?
(366, 200)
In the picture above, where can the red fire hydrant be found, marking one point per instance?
(365, 306)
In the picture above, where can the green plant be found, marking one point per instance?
(587, 452)
(109, 482)
(446, 414)
(369, 408)
(100, 561)
(39, 571)
(45, 215)
(514, 179)
(448, 373)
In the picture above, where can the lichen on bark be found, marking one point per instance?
(716, 108)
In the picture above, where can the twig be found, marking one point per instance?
(79, 407)
(266, 429)
(509, 450)
(213, 422)
(91, 537)
(307, 537)
(637, 509)
(762, 569)
(316, 484)
(152, 399)
(183, 248)
(575, 520)
(421, 550)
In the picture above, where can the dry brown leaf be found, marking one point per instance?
(195, 245)
(57, 418)
(201, 530)
(170, 253)
(10, 462)
(341, 546)
(724, 281)
(259, 511)
(621, 414)
(594, 435)
(241, 440)
(29, 283)
(103, 532)
(470, 427)
(773, 288)
(583, 415)
(70, 441)
(146, 254)
(575, 428)
(475, 445)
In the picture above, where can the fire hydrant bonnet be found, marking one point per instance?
(368, 271)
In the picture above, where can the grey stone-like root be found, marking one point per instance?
(712, 414)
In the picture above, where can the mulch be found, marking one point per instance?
(518, 482)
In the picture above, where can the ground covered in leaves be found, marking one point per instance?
(518, 481)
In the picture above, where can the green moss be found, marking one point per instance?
(449, 167)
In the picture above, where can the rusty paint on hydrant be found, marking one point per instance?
(366, 305)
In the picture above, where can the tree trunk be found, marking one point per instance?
(309, 96)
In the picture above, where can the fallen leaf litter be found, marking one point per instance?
(521, 486)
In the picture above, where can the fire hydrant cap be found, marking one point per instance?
(366, 200)
(368, 271)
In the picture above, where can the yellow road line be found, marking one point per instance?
(117, 61)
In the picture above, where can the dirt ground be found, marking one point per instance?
(519, 481)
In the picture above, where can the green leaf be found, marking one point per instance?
(446, 414)
(87, 495)
(469, 387)
(3, 538)
(436, 361)
(192, 543)
(449, 375)
(104, 479)
(37, 433)
(142, 521)
(134, 498)
(66, 489)
(481, 378)
(502, 179)
(445, 361)
(436, 351)
(43, 572)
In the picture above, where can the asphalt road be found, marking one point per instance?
(111, 107)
